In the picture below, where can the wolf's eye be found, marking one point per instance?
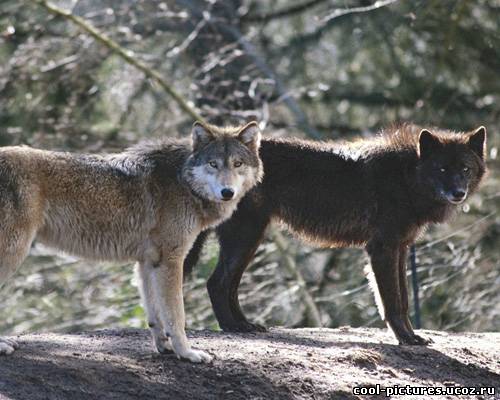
(213, 164)
(466, 169)
(237, 164)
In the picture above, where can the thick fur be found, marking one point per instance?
(377, 193)
(147, 204)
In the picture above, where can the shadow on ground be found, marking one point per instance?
(280, 364)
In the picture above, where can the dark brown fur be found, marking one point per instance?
(378, 194)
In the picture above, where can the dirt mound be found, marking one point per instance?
(280, 364)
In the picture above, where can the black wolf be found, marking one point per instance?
(378, 194)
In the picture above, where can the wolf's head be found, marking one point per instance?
(450, 166)
(225, 162)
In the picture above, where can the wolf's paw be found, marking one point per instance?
(423, 341)
(243, 326)
(196, 356)
(163, 345)
(7, 346)
(415, 340)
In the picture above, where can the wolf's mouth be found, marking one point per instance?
(456, 199)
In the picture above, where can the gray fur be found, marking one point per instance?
(146, 204)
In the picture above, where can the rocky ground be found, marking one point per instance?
(280, 364)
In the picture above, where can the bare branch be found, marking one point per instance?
(206, 15)
(283, 13)
(456, 232)
(283, 93)
(355, 10)
(330, 21)
(260, 63)
(126, 55)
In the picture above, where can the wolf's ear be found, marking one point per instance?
(250, 135)
(201, 135)
(477, 142)
(427, 142)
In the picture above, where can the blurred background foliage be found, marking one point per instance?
(308, 68)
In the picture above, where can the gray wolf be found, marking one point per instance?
(147, 204)
(377, 193)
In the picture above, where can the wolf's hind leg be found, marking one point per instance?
(145, 274)
(167, 285)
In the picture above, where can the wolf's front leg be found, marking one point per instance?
(403, 287)
(167, 287)
(145, 274)
(385, 263)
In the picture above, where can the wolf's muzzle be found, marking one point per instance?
(456, 196)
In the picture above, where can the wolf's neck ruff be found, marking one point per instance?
(205, 203)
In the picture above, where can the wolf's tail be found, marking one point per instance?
(194, 254)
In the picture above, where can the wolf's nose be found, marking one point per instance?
(227, 194)
(458, 194)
